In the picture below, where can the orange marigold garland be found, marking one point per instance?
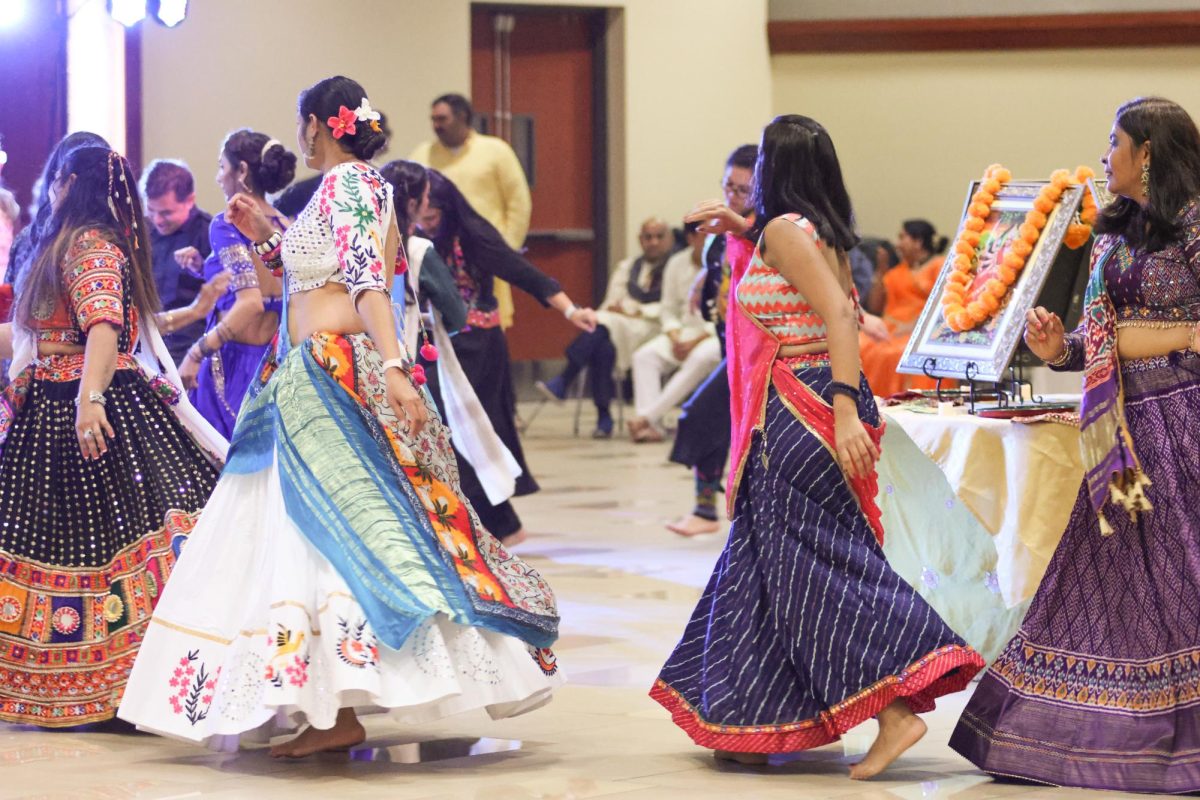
(966, 306)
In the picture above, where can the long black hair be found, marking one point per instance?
(408, 180)
(325, 98)
(104, 197)
(481, 243)
(1174, 173)
(797, 171)
(26, 245)
(268, 169)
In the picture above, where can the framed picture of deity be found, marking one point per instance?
(1007, 240)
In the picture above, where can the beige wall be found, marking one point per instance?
(696, 80)
(913, 129)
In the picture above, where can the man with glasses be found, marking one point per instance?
(702, 441)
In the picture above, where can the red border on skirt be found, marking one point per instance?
(920, 684)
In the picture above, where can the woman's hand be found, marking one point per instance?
(696, 292)
(91, 426)
(189, 260)
(211, 292)
(875, 328)
(246, 215)
(405, 400)
(856, 453)
(716, 217)
(189, 373)
(584, 319)
(1044, 334)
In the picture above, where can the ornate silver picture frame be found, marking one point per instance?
(984, 353)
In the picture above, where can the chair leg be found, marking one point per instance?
(578, 387)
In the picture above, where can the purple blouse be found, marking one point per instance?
(231, 251)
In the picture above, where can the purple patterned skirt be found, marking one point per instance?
(222, 383)
(804, 630)
(1100, 688)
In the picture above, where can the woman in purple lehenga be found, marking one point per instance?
(1100, 688)
(219, 367)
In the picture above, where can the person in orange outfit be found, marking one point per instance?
(901, 292)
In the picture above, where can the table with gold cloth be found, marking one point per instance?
(973, 509)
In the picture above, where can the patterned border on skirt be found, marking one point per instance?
(938, 673)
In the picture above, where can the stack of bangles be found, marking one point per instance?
(837, 387)
(271, 253)
(200, 350)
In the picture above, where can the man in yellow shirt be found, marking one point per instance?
(486, 170)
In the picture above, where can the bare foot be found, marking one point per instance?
(899, 729)
(345, 733)
(692, 525)
(515, 538)
(749, 759)
(637, 426)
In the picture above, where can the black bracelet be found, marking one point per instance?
(837, 387)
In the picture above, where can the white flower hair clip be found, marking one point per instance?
(364, 113)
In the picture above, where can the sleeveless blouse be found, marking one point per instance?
(340, 235)
(776, 304)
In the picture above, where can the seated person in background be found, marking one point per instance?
(687, 346)
(178, 246)
(872, 257)
(628, 319)
(901, 293)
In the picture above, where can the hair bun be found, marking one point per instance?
(276, 169)
(367, 142)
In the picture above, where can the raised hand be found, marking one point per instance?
(716, 217)
(1044, 334)
(247, 216)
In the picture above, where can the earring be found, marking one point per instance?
(312, 147)
(1146, 179)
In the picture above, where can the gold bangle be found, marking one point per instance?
(169, 321)
(1063, 357)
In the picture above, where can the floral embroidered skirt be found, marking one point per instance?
(86, 546)
(804, 630)
(1100, 688)
(338, 565)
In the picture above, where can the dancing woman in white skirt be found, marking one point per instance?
(338, 565)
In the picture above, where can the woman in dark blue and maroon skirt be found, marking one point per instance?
(804, 631)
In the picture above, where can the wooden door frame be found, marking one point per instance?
(598, 27)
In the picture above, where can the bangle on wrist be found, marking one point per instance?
(272, 242)
(844, 389)
(1194, 341)
(570, 310)
(1062, 358)
(93, 397)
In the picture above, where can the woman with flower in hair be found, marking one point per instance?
(1099, 687)
(338, 566)
(220, 365)
(104, 466)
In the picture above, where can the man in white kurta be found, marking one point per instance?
(687, 349)
(628, 318)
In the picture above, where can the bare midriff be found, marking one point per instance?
(260, 331)
(1144, 342)
(58, 349)
(325, 309)
(806, 349)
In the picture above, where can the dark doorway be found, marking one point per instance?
(537, 78)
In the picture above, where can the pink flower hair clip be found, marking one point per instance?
(343, 123)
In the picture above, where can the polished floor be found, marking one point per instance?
(626, 587)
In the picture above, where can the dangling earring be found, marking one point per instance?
(312, 147)
(1146, 179)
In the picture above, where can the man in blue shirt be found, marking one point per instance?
(178, 243)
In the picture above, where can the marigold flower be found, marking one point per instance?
(1013, 261)
(1052, 192)
(958, 278)
(1044, 204)
(991, 186)
(1002, 175)
(990, 303)
(977, 312)
(1084, 173)
(1036, 218)
(1006, 273)
(1021, 247)
(971, 237)
(974, 224)
(1028, 232)
(962, 263)
(981, 210)
(983, 197)
(962, 248)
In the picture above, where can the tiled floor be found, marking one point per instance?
(626, 587)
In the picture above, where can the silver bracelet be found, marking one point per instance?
(93, 397)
